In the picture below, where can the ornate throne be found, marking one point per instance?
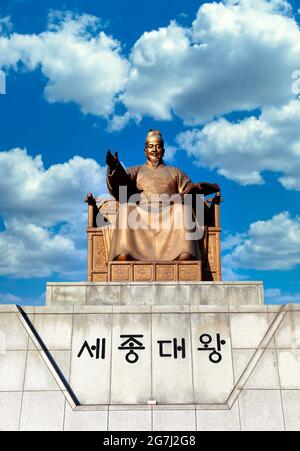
(102, 270)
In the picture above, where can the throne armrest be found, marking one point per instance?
(92, 206)
(106, 206)
(212, 212)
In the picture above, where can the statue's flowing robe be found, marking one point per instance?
(163, 231)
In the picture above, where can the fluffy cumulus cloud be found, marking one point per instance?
(158, 74)
(81, 63)
(236, 56)
(255, 72)
(268, 245)
(44, 214)
(28, 250)
(45, 196)
(242, 151)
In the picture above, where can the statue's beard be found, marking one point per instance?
(155, 161)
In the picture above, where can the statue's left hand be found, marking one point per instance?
(112, 160)
(90, 200)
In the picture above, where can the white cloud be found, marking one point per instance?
(119, 121)
(44, 214)
(238, 55)
(10, 298)
(268, 245)
(170, 153)
(5, 24)
(242, 151)
(230, 241)
(158, 73)
(28, 250)
(229, 275)
(31, 193)
(277, 296)
(82, 64)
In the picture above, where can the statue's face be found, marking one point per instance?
(154, 150)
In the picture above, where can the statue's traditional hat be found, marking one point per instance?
(154, 134)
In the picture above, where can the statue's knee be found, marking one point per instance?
(123, 257)
(185, 256)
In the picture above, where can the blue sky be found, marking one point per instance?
(215, 78)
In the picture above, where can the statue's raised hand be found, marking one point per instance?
(112, 161)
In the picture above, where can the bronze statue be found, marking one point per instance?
(150, 179)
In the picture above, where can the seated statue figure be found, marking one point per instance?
(150, 237)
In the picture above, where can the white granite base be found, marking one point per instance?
(261, 392)
(161, 293)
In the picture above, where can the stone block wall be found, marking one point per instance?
(45, 386)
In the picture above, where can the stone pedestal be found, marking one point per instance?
(156, 356)
(155, 293)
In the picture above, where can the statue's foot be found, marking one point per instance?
(185, 256)
(123, 257)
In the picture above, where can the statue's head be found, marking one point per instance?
(154, 147)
